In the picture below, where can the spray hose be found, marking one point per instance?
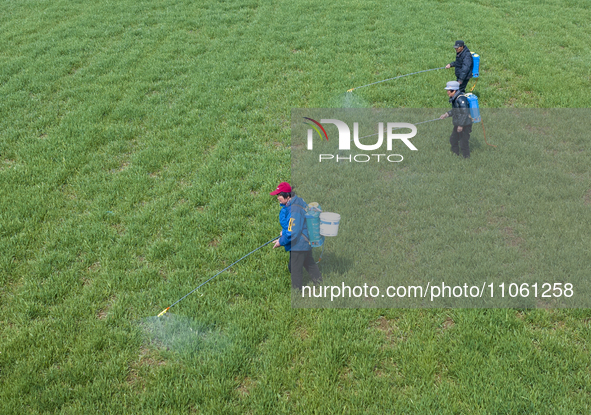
(202, 284)
(484, 133)
(321, 252)
(396, 77)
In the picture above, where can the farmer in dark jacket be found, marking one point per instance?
(463, 64)
(460, 111)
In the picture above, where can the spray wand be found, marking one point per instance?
(396, 77)
(400, 128)
(201, 285)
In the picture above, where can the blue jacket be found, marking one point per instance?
(293, 221)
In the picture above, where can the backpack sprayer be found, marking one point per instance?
(320, 224)
(475, 68)
(475, 113)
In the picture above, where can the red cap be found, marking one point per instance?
(283, 187)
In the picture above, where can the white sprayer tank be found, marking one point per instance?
(329, 223)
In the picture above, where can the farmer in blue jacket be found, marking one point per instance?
(294, 236)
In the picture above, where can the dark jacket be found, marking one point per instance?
(463, 64)
(460, 109)
(293, 222)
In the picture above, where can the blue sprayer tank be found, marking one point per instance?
(313, 212)
(476, 67)
(474, 110)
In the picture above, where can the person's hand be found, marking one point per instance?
(281, 233)
(460, 128)
(444, 115)
(276, 245)
(448, 66)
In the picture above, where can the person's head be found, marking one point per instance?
(451, 87)
(283, 197)
(283, 192)
(459, 46)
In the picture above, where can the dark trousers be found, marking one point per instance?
(463, 85)
(461, 141)
(299, 260)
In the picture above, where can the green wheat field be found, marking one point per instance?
(139, 141)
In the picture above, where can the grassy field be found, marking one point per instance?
(138, 144)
